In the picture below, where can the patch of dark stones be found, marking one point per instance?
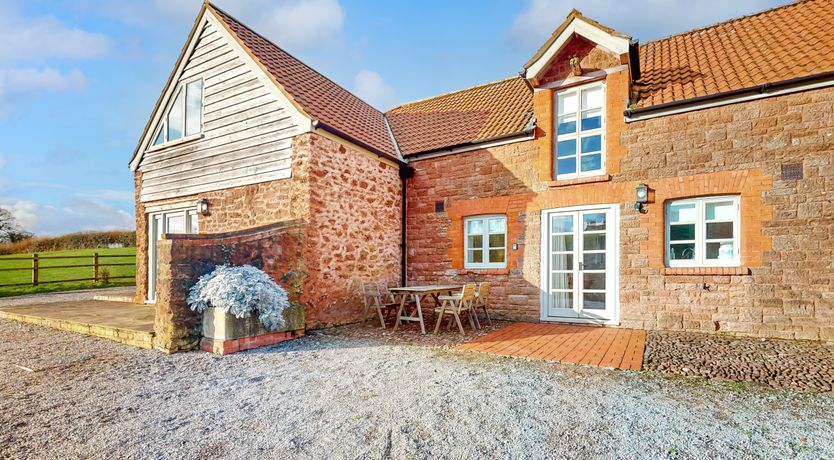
(781, 364)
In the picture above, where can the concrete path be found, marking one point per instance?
(66, 296)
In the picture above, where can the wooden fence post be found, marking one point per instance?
(34, 269)
(95, 265)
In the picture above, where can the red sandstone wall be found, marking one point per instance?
(787, 226)
(354, 231)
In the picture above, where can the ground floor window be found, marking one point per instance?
(703, 232)
(485, 239)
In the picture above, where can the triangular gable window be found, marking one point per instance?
(185, 117)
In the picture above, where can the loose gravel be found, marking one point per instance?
(330, 396)
(775, 363)
(68, 296)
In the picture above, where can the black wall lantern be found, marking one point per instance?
(642, 197)
(203, 207)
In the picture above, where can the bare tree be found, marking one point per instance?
(9, 230)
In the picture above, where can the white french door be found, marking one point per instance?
(580, 264)
(160, 223)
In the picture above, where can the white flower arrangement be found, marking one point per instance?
(241, 291)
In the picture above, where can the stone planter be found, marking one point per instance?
(224, 334)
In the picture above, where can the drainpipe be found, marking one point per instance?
(406, 172)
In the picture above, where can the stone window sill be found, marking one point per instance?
(579, 181)
(721, 271)
(486, 271)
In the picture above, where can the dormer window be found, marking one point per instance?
(579, 149)
(185, 117)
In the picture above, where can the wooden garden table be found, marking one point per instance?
(417, 293)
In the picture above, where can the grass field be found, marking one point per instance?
(127, 255)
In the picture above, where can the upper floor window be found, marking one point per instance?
(703, 232)
(485, 240)
(185, 117)
(580, 132)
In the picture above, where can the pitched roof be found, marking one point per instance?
(316, 95)
(782, 43)
(475, 114)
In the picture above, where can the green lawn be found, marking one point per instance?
(127, 255)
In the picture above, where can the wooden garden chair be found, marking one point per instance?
(374, 297)
(457, 304)
(482, 300)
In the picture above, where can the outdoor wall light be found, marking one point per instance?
(642, 195)
(203, 207)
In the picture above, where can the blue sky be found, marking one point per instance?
(78, 78)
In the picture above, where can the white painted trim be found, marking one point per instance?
(612, 43)
(469, 148)
(699, 238)
(728, 100)
(545, 256)
(171, 206)
(577, 135)
(573, 80)
(485, 265)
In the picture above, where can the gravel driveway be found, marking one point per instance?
(330, 396)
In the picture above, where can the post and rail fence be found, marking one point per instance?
(37, 267)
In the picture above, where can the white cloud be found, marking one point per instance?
(18, 86)
(35, 39)
(371, 88)
(77, 214)
(642, 19)
(291, 24)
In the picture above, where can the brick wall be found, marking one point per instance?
(787, 225)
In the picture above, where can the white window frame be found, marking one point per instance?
(578, 134)
(163, 122)
(700, 240)
(485, 264)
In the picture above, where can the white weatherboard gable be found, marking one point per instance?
(248, 123)
(614, 44)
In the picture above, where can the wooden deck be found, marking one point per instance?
(569, 344)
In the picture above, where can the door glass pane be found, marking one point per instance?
(566, 166)
(591, 162)
(593, 301)
(562, 243)
(476, 241)
(719, 230)
(724, 210)
(682, 251)
(595, 221)
(475, 226)
(682, 212)
(496, 255)
(591, 120)
(593, 281)
(682, 232)
(561, 262)
(566, 148)
(593, 241)
(720, 251)
(593, 261)
(562, 281)
(562, 300)
(561, 224)
(175, 224)
(476, 256)
(175, 118)
(193, 107)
